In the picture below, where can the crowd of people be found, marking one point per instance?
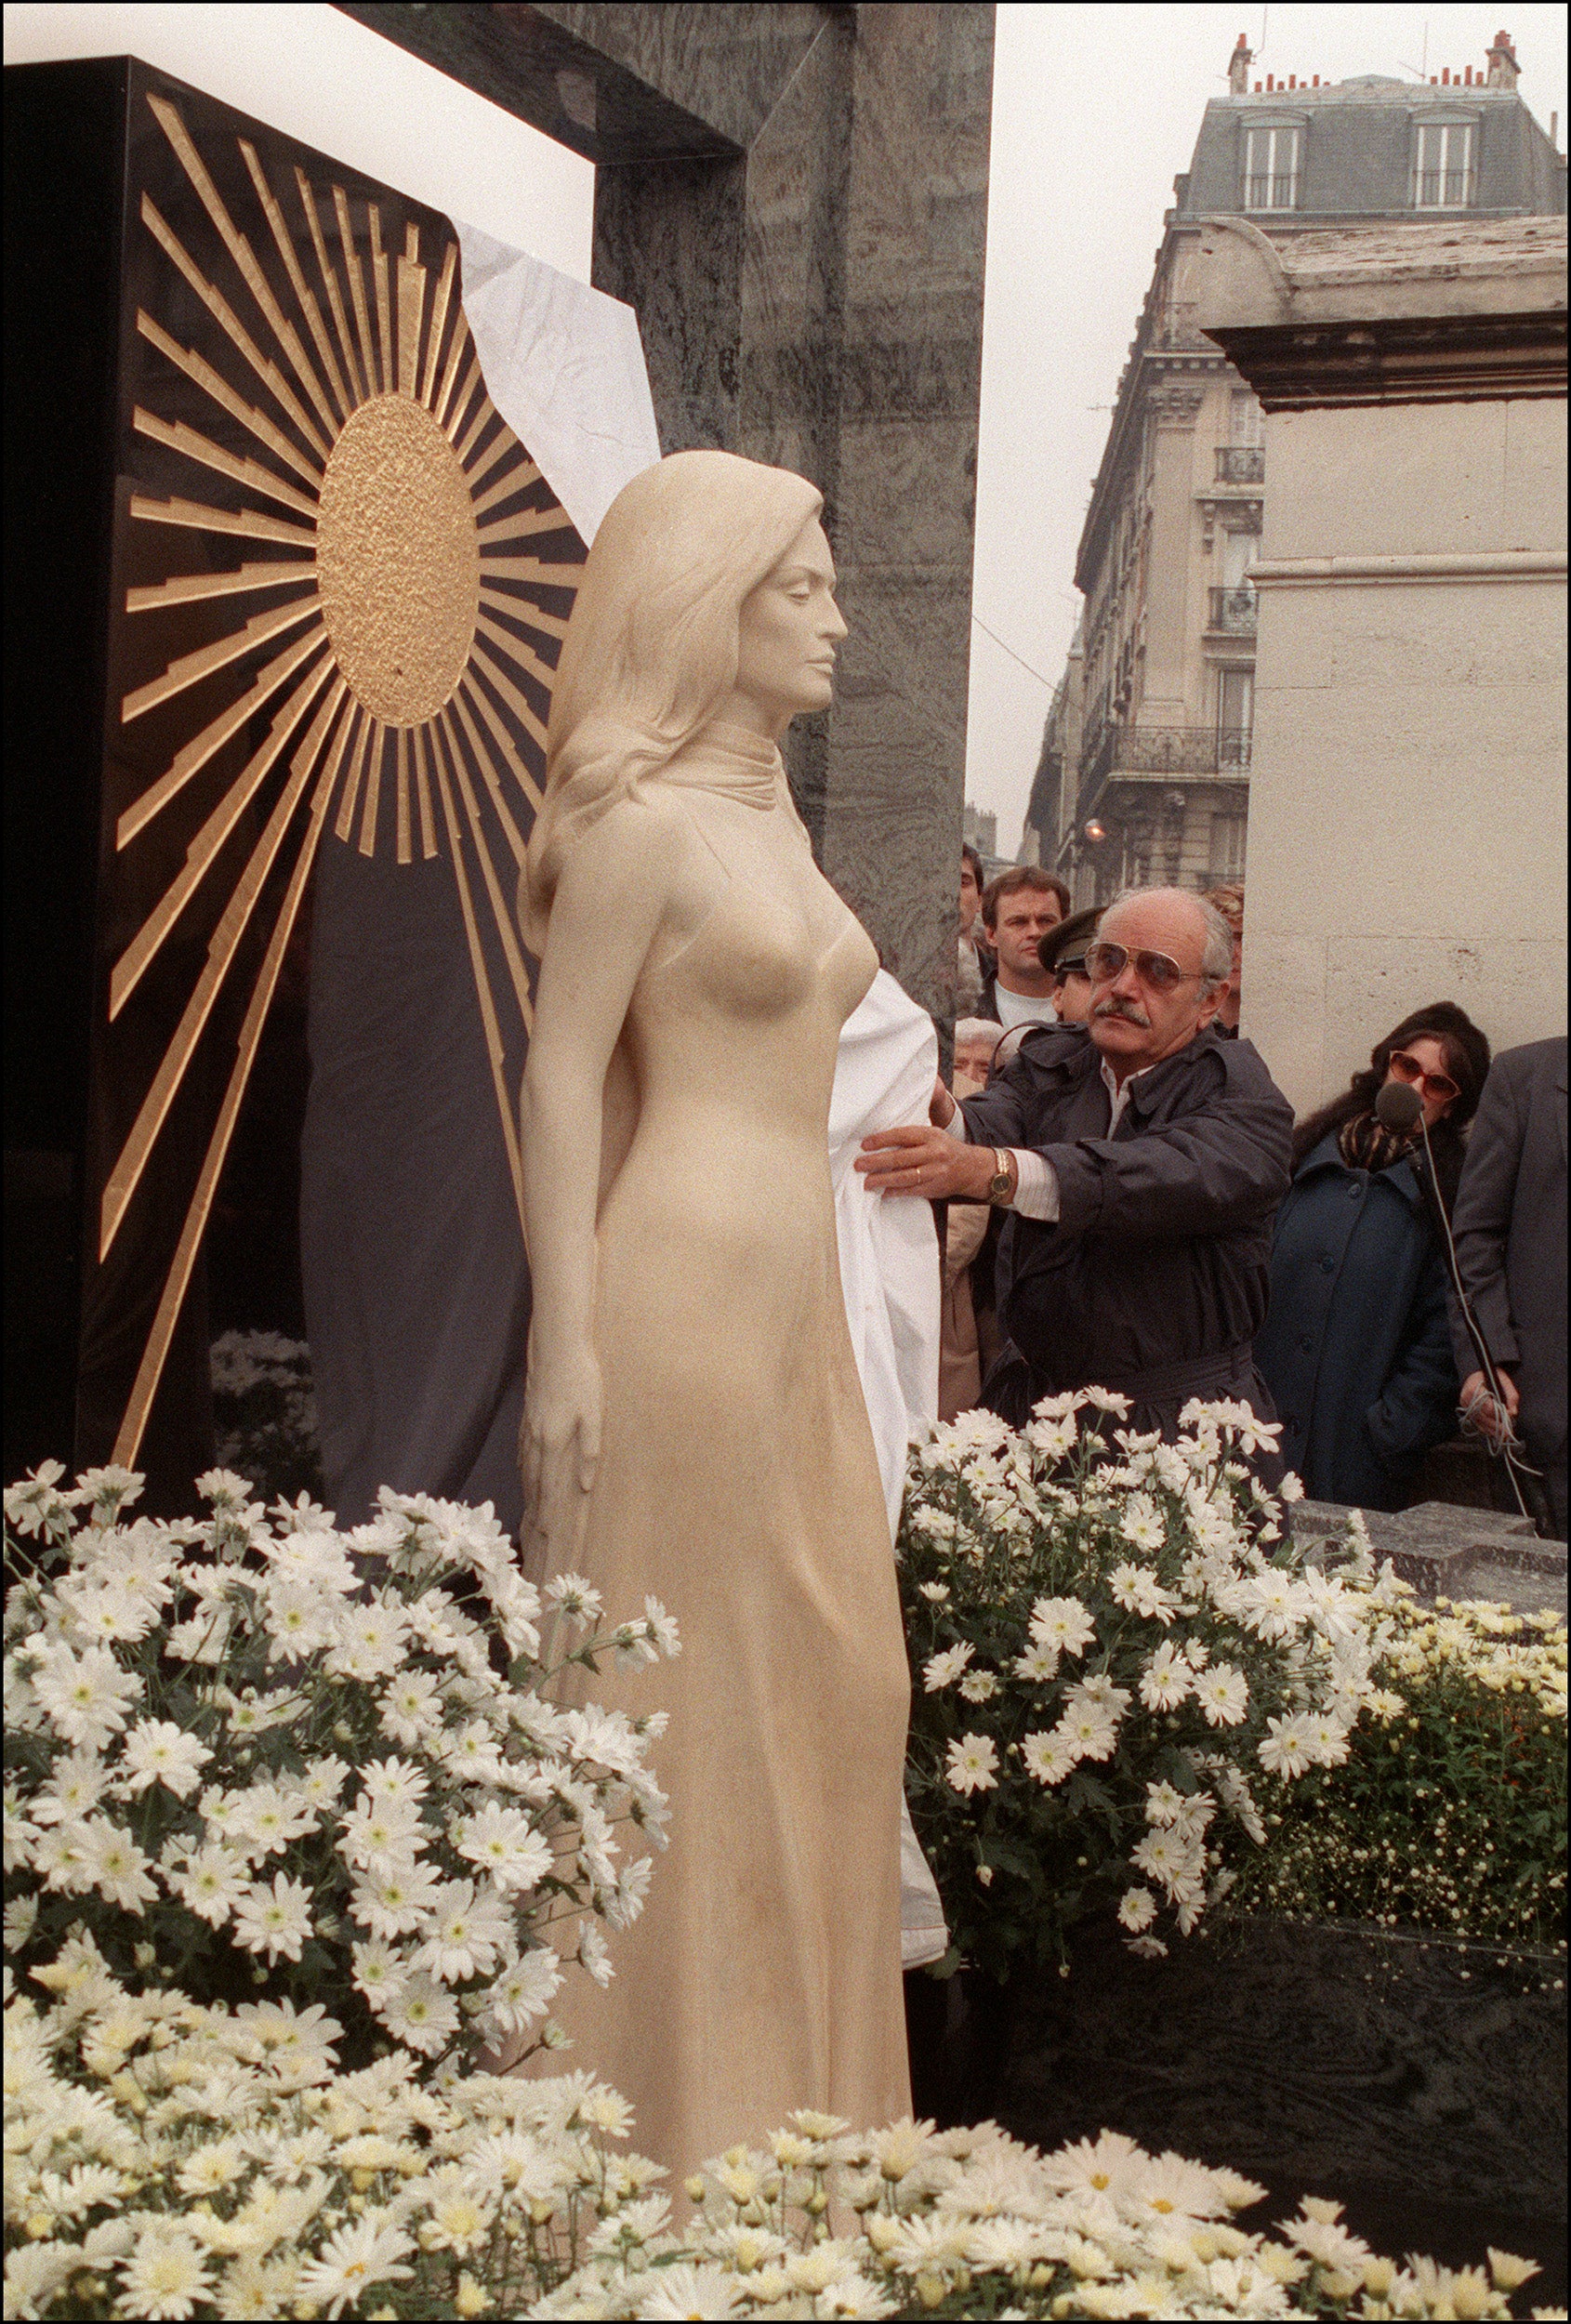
(1131, 1204)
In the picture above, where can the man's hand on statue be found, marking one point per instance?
(559, 1451)
(1481, 1409)
(925, 1162)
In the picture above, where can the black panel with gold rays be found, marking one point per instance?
(339, 589)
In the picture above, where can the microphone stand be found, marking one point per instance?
(1486, 1364)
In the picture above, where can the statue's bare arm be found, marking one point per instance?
(614, 891)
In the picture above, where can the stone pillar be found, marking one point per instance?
(794, 198)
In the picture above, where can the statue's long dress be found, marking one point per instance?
(738, 1483)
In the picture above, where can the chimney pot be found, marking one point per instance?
(1445, 77)
(1318, 80)
(1257, 88)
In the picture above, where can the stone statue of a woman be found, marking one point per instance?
(693, 1423)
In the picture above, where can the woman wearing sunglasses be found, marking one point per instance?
(1356, 1347)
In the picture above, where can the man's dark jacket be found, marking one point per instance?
(1154, 1280)
(1510, 1227)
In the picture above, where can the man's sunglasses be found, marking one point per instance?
(1438, 1088)
(1104, 962)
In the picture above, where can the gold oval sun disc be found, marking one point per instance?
(398, 560)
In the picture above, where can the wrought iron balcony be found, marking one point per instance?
(1147, 750)
(1240, 464)
(1233, 612)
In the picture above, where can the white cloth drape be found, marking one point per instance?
(890, 1276)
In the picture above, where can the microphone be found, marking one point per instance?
(1399, 1108)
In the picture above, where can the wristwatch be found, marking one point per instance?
(1001, 1186)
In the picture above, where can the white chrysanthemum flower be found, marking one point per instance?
(1062, 1623)
(395, 1901)
(943, 1669)
(686, 2289)
(211, 1883)
(980, 1687)
(412, 1707)
(1137, 1589)
(1107, 1400)
(85, 1697)
(503, 1843)
(158, 1752)
(274, 1921)
(1223, 1694)
(468, 1929)
(112, 1862)
(1089, 1732)
(971, 1766)
(421, 2014)
(1038, 1663)
(1285, 1747)
(574, 1597)
(77, 1782)
(353, 2261)
(1137, 1909)
(524, 1990)
(1047, 1757)
(166, 2275)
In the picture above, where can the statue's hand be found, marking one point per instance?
(559, 1449)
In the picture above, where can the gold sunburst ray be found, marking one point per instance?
(188, 588)
(449, 372)
(403, 678)
(178, 1281)
(485, 761)
(212, 383)
(201, 749)
(301, 288)
(357, 287)
(330, 285)
(244, 257)
(222, 948)
(191, 669)
(133, 961)
(220, 307)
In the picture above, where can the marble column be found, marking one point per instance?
(794, 198)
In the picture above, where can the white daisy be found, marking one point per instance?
(158, 1752)
(971, 1764)
(274, 1921)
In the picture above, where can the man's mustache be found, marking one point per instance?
(1114, 1006)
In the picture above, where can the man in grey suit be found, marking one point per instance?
(1510, 1225)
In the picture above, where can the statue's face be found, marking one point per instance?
(789, 628)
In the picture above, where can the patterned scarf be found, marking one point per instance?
(1365, 1143)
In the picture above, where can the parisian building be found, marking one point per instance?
(1144, 771)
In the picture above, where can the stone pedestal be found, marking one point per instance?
(1451, 1553)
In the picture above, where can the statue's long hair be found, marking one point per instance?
(652, 646)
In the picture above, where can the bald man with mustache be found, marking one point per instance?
(1142, 1171)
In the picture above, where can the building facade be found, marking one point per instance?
(1145, 771)
(1409, 801)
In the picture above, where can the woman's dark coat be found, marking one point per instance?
(1356, 1346)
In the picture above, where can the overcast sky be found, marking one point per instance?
(1096, 109)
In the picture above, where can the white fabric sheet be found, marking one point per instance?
(890, 1278)
(565, 366)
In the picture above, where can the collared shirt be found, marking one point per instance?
(1036, 1193)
